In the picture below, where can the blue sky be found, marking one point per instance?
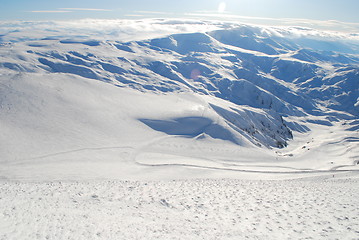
(340, 10)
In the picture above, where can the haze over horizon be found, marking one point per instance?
(330, 15)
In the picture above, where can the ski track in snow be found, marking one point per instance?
(180, 209)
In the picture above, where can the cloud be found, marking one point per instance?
(327, 25)
(134, 15)
(156, 13)
(146, 28)
(86, 9)
(102, 29)
(49, 11)
(69, 10)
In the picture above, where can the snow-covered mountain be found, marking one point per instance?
(194, 97)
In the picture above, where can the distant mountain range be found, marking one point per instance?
(259, 86)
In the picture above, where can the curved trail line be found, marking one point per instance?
(355, 163)
(138, 151)
(248, 171)
(72, 151)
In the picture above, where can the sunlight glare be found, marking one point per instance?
(222, 7)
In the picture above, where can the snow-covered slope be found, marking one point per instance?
(182, 209)
(190, 101)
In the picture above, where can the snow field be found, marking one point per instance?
(180, 209)
(81, 115)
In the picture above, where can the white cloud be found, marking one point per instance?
(329, 25)
(101, 29)
(68, 10)
(139, 29)
(86, 9)
(134, 15)
(156, 13)
(49, 11)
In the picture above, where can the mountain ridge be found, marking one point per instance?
(249, 86)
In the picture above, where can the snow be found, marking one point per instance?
(182, 209)
(165, 129)
(90, 129)
(136, 104)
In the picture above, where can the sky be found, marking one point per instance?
(256, 10)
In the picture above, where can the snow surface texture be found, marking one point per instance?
(192, 209)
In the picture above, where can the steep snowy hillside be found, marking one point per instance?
(197, 99)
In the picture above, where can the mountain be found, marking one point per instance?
(236, 98)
